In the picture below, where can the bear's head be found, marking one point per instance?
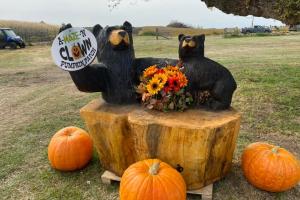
(114, 42)
(191, 46)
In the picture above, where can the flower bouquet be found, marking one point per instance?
(163, 89)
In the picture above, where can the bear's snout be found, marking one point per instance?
(188, 43)
(122, 33)
(118, 37)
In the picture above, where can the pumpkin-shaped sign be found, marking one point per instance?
(152, 180)
(76, 52)
(269, 167)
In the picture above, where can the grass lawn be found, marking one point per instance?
(37, 99)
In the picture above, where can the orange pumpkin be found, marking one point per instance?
(269, 167)
(152, 180)
(70, 149)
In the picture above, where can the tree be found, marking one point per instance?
(287, 11)
(177, 24)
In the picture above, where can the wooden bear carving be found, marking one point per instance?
(117, 71)
(207, 78)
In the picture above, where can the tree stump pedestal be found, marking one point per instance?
(198, 142)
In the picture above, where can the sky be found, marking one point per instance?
(138, 12)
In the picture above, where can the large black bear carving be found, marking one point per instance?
(205, 75)
(117, 71)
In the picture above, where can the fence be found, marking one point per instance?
(34, 36)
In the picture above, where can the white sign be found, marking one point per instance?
(74, 48)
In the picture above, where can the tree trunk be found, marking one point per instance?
(201, 143)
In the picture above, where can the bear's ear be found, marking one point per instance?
(127, 27)
(96, 29)
(180, 36)
(201, 38)
(65, 27)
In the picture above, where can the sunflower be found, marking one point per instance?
(154, 86)
(162, 77)
(150, 71)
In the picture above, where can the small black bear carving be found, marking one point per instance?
(207, 78)
(117, 71)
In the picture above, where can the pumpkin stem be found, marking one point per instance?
(275, 149)
(154, 168)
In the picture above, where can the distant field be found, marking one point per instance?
(43, 32)
(172, 32)
(32, 31)
(37, 99)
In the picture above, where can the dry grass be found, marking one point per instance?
(37, 99)
(32, 31)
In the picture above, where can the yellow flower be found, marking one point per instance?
(161, 77)
(154, 86)
(150, 71)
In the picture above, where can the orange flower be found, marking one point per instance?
(150, 71)
(172, 68)
(160, 71)
(182, 80)
(170, 73)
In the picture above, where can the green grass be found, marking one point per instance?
(37, 99)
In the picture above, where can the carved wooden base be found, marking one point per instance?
(199, 142)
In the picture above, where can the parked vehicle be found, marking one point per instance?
(256, 29)
(8, 38)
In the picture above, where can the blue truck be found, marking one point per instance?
(8, 38)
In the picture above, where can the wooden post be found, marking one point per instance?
(156, 31)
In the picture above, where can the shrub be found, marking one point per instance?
(177, 24)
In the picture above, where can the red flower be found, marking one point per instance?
(173, 83)
(167, 87)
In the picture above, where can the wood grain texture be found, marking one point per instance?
(201, 142)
